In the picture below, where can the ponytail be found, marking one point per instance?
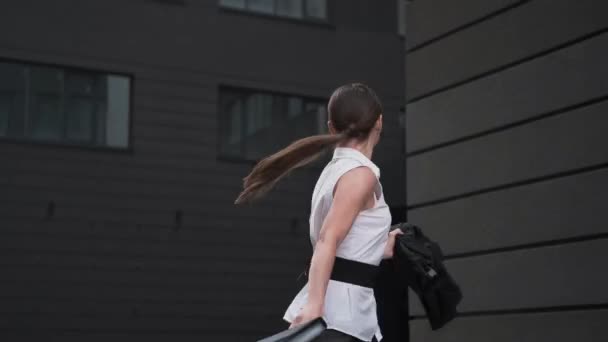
(268, 171)
(353, 110)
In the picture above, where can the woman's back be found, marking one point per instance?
(368, 234)
(349, 308)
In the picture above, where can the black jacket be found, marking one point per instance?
(417, 263)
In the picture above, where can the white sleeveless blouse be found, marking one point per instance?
(348, 308)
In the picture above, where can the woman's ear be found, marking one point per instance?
(330, 126)
(378, 128)
(379, 122)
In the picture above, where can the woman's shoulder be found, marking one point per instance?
(333, 171)
(341, 169)
(343, 165)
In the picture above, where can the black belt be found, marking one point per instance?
(354, 272)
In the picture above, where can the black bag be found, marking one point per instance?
(306, 332)
(421, 262)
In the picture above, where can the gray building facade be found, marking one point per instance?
(507, 159)
(126, 228)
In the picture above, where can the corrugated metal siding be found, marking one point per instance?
(508, 163)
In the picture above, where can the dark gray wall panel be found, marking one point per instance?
(120, 335)
(569, 274)
(266, 234)
(114, 322)
(115, 291)
(508, 164)
(588, 326)
(139, 244)
(189, 184)
(385, 19)
(15, 258)
(511, 36)
(150, 44)
(542, 85)
(67, 160)
(145, 275)
(560, 143)
(431, 18)
(152, 249)
(150, 308)
(152, 201)
(554, 209)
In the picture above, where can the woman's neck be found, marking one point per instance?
(364, 147)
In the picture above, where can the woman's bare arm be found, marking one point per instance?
(351, 193)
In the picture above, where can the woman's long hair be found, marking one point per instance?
(353, 110)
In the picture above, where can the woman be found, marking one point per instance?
(349, 218)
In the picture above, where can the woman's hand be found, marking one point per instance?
(308, 313)
(390, 245)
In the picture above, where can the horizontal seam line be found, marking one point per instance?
(511, 185)
(509, 65)
(528, 246)
(467, 25)
(506, 127)
(549, 309)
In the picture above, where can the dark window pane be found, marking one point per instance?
(255, 124)
(80, 119)
(84, 84)
(322, 119)
(45, 114)
(258, 112)
(45, 119)
(316, 9)
(118, 103)
(61, 105)
(294, 107)
(262, 6)
(279, 108)
(231, 125)
(12, 98)
(236, 113)
(12, 77)
(311, 106)
(316, 112)
(290, 8)
(46, 80)
(83, 97)
(298, 9)
(233, 3)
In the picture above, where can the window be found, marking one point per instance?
(314, 10)
(63, 105)
(254, 124)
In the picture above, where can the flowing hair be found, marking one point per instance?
(353, 110)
